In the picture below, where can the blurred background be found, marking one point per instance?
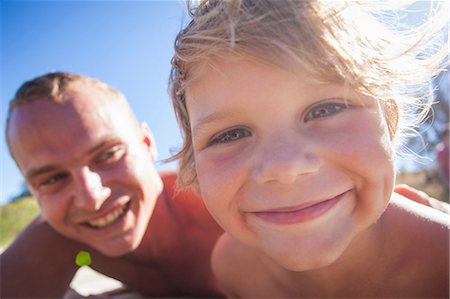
(128, 44)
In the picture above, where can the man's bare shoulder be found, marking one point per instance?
(173, 192)
(184, 204)
(168, 174)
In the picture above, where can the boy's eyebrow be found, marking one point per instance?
(207, 120)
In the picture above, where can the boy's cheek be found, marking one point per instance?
(362, 134)
(213, 175)
(223, 165)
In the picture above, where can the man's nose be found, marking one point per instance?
(284, 159)
(90, 192)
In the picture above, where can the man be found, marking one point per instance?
(89, 164)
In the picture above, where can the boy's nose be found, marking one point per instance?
(284, 160)
(90, 192)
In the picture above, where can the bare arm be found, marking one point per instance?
(39, 263)
(421, 197)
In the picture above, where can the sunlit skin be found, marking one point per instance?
(300, 173)
(283, 161)
(83, 166)
(90, 165)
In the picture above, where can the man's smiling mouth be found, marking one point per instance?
(109, 218)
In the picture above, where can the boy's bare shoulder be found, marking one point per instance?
(419, 213)
(418, 240)
(419, 224)
(422, 232)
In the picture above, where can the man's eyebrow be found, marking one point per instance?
(40, 170)
(49, 168)
(100, 145)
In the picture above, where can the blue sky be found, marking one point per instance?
(127, 44)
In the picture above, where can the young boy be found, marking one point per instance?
(291, 112)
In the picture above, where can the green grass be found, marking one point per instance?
(14, 217)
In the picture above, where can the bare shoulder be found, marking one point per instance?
(425, 215)
(185, 207)
(421, 197)
(178, 195)
(419, 224)
(423, 233)
(418, 238)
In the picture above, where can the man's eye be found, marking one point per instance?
(53, 180)
(324, 110)
(111, 155)
(229, 136)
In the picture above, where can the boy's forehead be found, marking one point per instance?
(216, 65)
(227, 69)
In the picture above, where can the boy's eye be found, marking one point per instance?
(229, 136)
(111, 155)
(324, 110)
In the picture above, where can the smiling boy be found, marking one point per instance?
(291, 113)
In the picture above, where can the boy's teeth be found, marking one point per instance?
(108, 219)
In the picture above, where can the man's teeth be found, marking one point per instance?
(108, 219)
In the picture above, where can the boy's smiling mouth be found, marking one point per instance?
(299, 214)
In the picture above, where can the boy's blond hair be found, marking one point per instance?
(334, 41)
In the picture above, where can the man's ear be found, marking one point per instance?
(149, 140)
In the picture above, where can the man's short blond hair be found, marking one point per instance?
(57, 87)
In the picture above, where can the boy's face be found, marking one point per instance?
(90, 168)
(293, 167)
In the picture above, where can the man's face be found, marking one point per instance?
(89, 166)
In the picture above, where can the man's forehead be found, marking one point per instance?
(83, 115)
(75, 101)
(55, 137)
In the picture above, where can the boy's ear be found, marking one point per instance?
(149, 140)
(392, 113)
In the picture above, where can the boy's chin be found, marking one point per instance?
(313, 259)
(300, 265)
